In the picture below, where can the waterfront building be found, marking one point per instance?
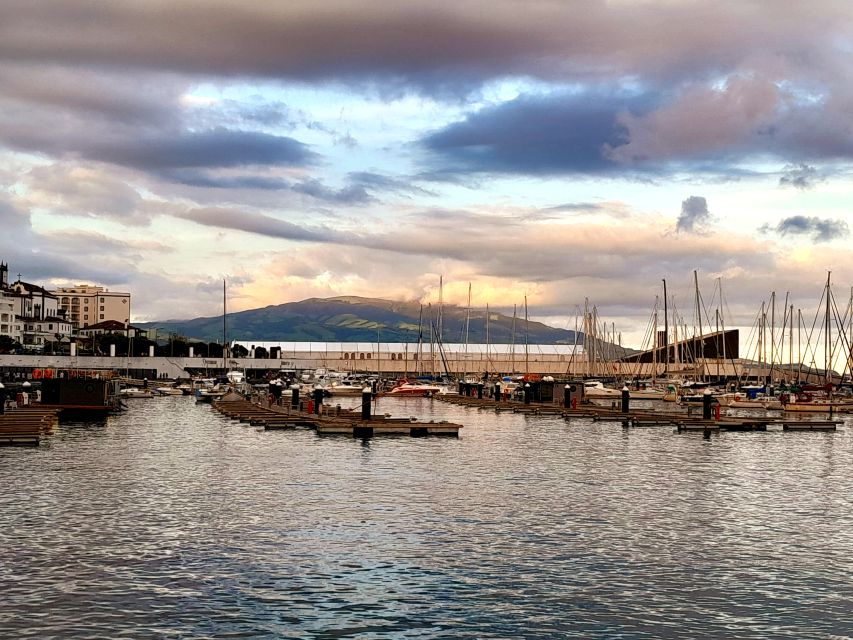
(87, 305)
(114, 327)
(9, 323)
(36, 311)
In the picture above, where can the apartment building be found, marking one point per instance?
(9, 323)
(87, 305)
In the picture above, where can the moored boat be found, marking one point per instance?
(133, 392)
(414, 388)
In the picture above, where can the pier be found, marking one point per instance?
(681, 420)
(24, 427)
(331, 421)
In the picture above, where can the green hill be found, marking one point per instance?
(354, 319)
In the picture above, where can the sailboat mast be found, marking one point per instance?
(440, 308)
(791, 346)
(467, 325)
(488, 339)
(526, 340)
(827, 345)
(512, 337)
(655, 344)
(665, 330)
(224, 334)
(419, 369)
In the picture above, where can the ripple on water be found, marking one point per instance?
(172, 521)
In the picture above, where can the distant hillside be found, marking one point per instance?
(353, 319)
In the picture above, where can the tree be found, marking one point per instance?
(239, 351)
(9, 344)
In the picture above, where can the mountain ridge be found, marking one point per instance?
(361, 319)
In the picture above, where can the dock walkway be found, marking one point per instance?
(331, 421)
(25, 426)
(679, 418)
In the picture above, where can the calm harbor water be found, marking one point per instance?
(171, 521)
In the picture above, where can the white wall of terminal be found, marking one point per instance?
(540, 363)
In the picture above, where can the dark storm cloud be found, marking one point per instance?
(441, 43)
(801, 176)
(567, 133)
(349, 195)
(379, 182)
(196, 178)
(821, 230)
(352, 194)
(261, 224)
(694, 213)
(578, 207)
(216, 148)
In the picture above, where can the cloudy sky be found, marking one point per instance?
(559, 150)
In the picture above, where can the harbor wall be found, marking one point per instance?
(540, 364)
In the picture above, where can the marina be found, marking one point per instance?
(196, 519)
(332, 421)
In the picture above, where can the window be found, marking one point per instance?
(368, 355)
(102, 308)
(50, 327)
(361, 356)
(393, 356)
(102, 299)
(102, 316)
(86, 317)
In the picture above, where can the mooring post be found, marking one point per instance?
(366, 401)
(318, 399)
(294, 399)
(626, 399)
(480, 386)
(567, 396)
(2, 399)
(707, 399)
(497, 392)
(527, 393)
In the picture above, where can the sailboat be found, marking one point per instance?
(820, 398)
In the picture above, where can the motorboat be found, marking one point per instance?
(168, 391)
(596, 389)
(345, 389)
(746, 401)
(415, 388)
(211, 394)
(133, 392)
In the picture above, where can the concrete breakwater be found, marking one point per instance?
(148, 367)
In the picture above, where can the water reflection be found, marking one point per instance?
(173, 521)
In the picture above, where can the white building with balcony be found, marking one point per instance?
(86, 305)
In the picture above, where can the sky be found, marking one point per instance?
(569, 152)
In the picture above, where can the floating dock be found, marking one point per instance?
(331, 421)
(688, 419)
(24, 427)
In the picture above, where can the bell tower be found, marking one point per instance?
(4, 276)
